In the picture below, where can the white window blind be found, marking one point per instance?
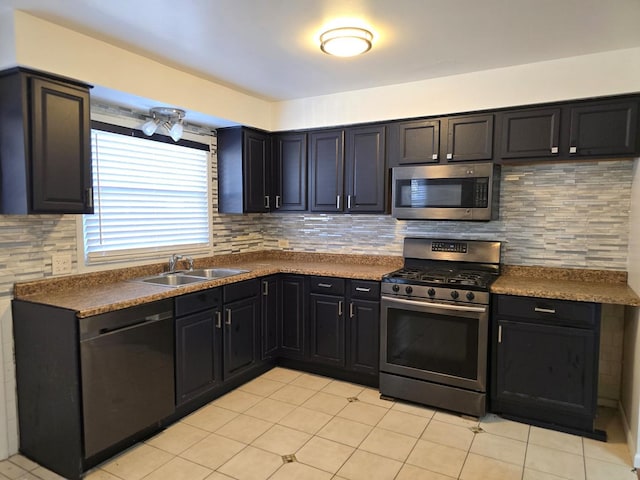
(151, 198)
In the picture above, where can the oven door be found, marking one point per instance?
(438, 342)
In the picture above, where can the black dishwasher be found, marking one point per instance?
(127, 372)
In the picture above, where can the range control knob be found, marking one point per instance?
(470, 296)
(408, 289)
(396, 288)
(431, 292)
(455, 294)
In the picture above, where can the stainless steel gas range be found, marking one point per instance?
(435, 322)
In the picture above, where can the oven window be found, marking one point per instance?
(433, 342)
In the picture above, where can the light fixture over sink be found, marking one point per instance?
(169, 118)
(346, 41)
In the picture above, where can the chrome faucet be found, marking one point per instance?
(175, 258)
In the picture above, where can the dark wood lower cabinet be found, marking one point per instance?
(364, 336)
(326, 329)
(241, 327)
(271, 312)
(545, 362)
(292, 318)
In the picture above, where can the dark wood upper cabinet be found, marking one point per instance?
(45, 144)
(469, 138)
(530, 133)
(244, 170)
(326, 164)
(365, 169)
(604, 128)
(289, 179)
(414, 142)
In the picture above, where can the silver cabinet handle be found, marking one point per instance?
(277, 201)
(88, 200)
(573, 149)
(218, 319)
(499, 333)
(348, 201)
(267, 201)
(340, 305)
(449, 156)
(544, 310)
(362, 289)
(338, 202)
(228, 321)
(265, 288)
(325, 285)
(434, 156)
(351, 313)
(554, 149)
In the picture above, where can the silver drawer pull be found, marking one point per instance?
(544, 310)
(228, 321)
(361, 289)
(325, 285)
(218, 319)
(340, 307)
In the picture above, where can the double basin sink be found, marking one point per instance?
(187, 277)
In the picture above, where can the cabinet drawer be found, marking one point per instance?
(326, 285)
(364, 289)
(195, 302)
(240, 290)
(549, 311)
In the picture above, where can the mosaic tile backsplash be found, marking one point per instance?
(571, 215)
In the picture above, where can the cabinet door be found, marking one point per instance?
(365, 169)
(414, 142)
(289, 180)
(241, 329)
(547, 372)
(364, 333)
(469, 138)
(61, 148)
(293, 316)
(326, 330)
(270, 317)
(530, 133)
(604, 128)
(198, 354)
(326, 162)
(257, 171)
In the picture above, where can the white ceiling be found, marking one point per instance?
(269, 47)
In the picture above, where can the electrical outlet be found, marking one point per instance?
(282, 243)
(61, 264)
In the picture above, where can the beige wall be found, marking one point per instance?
(631, 360)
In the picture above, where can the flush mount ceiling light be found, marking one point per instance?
(346, 41)
(169, 118)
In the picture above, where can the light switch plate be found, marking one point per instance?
(61, 264)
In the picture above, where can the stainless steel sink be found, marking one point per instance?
(190, 276)
(215, 272)
(173, 279)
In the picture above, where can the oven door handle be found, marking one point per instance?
(443, 306)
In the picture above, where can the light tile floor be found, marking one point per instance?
(337, 430)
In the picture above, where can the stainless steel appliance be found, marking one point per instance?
(435, 322)
(468, 191)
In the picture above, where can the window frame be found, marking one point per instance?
(149, 257)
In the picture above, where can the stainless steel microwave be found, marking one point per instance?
(467, 191)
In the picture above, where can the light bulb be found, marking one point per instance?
(176, 131)
(150, 127)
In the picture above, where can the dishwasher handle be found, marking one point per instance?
(158, 317)
(125, 319)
